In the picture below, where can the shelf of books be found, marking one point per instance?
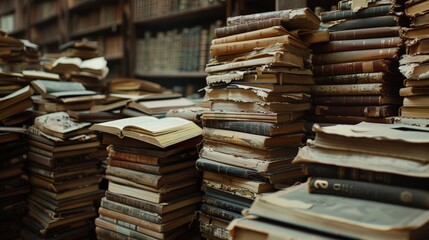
(13, 17)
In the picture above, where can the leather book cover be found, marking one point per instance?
(358, 44)
(371, 22)
(365, 33)
(356, 100)
(356, 55)
(354, 67)
(363, 13)
(357, 111)
(219, 212)
(360, 78)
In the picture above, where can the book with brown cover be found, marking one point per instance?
(292, 18)
(270, 107)
(358, 111)
(253, 116)
(370, 22)
(363, 13)
(251, 140)
(418, 46)
(357, 55)
(153, 169)
(357, 44)
(257, 34)
(365, 33)
(356, 89)
(354, 67)
(247, 27)
(359, 78)
(356, 100)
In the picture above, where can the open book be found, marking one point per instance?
(159, 132)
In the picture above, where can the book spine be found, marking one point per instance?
(354, 67)
(220, 213)
(370, 191)
(259, 128)
(103, 233)
(242, 139)
(348, 100)
(209, 230)
(131, 234)
(212, 166)
(243, 19)
(138, 213)
(135, 176)
(348, 89)
(331, 171)
(133, 166)
(372, 22)
(133, 202)
(262, 33)
(344, 5)
(357, 78)
(357, 55)
(12, 161)
(138, 158)
(230, 206)
(365, 33)
(359, 44)
(358, 111)
(363, 13)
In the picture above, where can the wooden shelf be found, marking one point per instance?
(88, 5)
(7, 11)
(170, 74)
(45, 19)
(194, 15)
(97, 29)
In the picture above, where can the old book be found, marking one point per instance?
(219, 212)
(338, 137)
(357, 55)
(148, 157)
(248, 45)
(416, 32)
(276, 59)
(37, 232)
(121, 231)
(250, 35)
(356, 100)
(419, 122)
(159, 106)
(356, 6)
(369, 191)
(154, 169)
(250, 93)
(363, 13)
(148, 195)
(48, 106)
(145, 215)
(247, 27)
(270, 107)
(355, 89)
(286, 206)
(59, 124)
(363, 161)
(418, 46)
(158, 132)
(227, 197)
(76, 170)
(358, 111)
(420, 20)
(213, 227)
(365, 33)
(414, 112)
(416, 8)
(220, 203)
(292, 18)
(316, 36)
(259, 128)
(250, 185)
(69, 193)
(62, 154)
(354, 67)
(271, 154)
(370, 22)
(251, 140)
(415, 71)
(54, 89)
(253, 116)
(416, 101)
(16, 97)
(127, 84)
(152, 180)
(413, 91)
(359, 78)
(247, 228)
(160, 208)
(333, 171)
(228, 170)
(357, 44)
(90, 141)
(64, 186)
(165, 227)
(15, 109)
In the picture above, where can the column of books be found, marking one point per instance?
(415, 67)
(373, 190)
(258, 85)
(153, 190)
(356, 72)
(15, 99)
(64, 177)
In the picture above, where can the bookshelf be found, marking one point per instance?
(14, 17)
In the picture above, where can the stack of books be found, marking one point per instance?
(364, 183)
(153, 190)
(83, 49)
(13, 181)
(357, 70)
(258, 84)
(415, 65)
(18, 54)
(62, 96)
(14, 106)
(64, 178)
